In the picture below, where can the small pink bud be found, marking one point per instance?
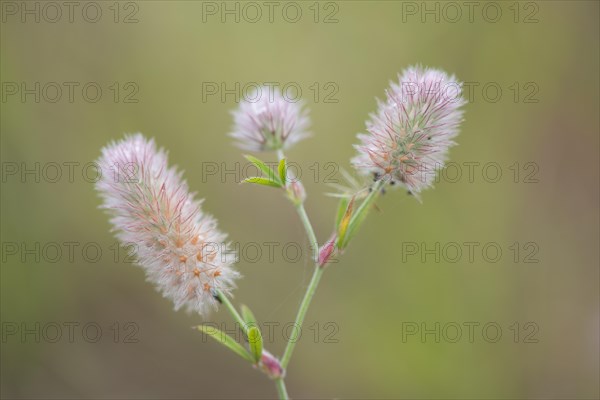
(270, 365)
(296, 192)
(326, 251)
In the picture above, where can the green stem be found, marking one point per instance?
(310, 292)
(318, 272)
(314, 282)
(281, 390)
(236, 316)
(375, 189)
(279, 383)
(314, 244)
(305, 221)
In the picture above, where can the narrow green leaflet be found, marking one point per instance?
(264, 168)
(248, 316)
(360, 214)
(282, 168)
(255, 342)
(262, 181)
(341, 210)
(254, 336)
(343, 225)
(227, 341)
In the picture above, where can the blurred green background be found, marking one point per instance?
(377, 291)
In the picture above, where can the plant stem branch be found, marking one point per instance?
(375, 189)
(360, 214)
(281, 390)
(314, 244)
(236, 316)
(314, 282)
(310, 292)
(318, 272)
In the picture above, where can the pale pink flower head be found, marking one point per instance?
(412, 130)
(178, 246)
(266, 120)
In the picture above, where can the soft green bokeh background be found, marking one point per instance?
(371, 294)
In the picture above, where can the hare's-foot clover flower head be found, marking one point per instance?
(412, 130)
(267, 121)
(178, 246)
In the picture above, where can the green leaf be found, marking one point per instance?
(264, 168)
(344, 223)
(262, 181)
(341, 210)
(248, 316)
(282, 168)
(360, 214)
(255, 342)
(226, 340)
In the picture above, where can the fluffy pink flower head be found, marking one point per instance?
(178, 246)
(412, 130)
(268, 121)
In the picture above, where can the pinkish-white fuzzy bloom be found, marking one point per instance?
(267, 121)
(179, 247)
(412, 130)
